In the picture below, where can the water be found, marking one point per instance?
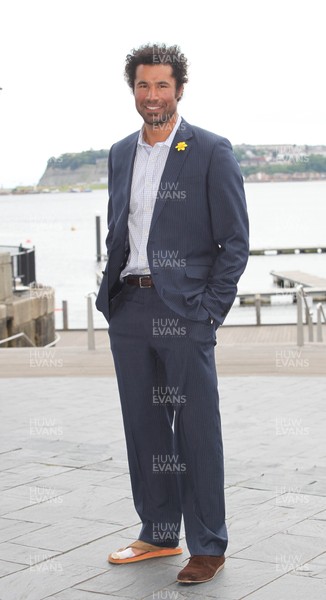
(62, 228)
(287, 214)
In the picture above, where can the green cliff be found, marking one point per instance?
(74, 169)
(258, 163)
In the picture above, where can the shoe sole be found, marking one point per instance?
(201, 580)
(146, 556)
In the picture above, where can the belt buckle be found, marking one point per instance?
(140, 281)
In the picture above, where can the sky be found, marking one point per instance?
(256, 75)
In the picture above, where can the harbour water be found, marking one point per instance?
(62, 229)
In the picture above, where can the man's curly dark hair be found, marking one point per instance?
(154, 54)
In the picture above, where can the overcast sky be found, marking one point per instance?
(257, 73)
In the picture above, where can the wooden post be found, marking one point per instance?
(300, 339)
(310, 326)
(65, 315)
(307, 315)
(90, 324)
(98, 238)
(258, 307)
(319, 323)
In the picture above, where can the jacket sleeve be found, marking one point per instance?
(102, 300)
(110, 210)
(229, 221)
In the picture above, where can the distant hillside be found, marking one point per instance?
(286, 162)
(258, 163)
(89, 167)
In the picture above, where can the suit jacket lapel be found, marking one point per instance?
(129, 157)
(129, 152)
(173, 165)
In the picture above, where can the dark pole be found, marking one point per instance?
(98, 238)
(65, 315)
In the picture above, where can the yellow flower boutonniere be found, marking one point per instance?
(181, 146)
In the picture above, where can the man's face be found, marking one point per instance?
(155, 93)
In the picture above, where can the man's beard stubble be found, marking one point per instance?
(159, 119)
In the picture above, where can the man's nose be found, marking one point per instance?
(152, 93)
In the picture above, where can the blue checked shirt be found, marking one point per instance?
(148, 169)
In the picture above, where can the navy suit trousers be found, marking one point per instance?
(166, 374)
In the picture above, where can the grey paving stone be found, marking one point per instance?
(4, 523)
(47, 513)
(259, 523)
(121, 513)
(77, 594)
(275, 477)
(92, 504)
(95, 554)
(23, 492)
(180, 560)
(66, 535)
(23, 555)
(178, 592)
(6, 444)
(239, 471)
(102, 465)
(109, 466)
(302, 504)
(238, 579)
(10, 479)
(82, 455)
(321, 516)
(9, 567)
(314, 568)
(74, 479)
(309, 528)
(287, 552)
(13, 507)
(120, 481)
(283, 480)
(239, 499)
(11, 459)
(130, 534)
(39, 581)
(129, 582)
(38, 470)
(113, 514)
(290, 587)
(16, 529)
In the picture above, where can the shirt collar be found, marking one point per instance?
(166, 142)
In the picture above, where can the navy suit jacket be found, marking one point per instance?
(198, 241)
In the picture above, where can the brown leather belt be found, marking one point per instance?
(142, 281)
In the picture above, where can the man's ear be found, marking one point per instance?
(179, 93)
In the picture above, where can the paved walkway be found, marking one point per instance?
(246, 350)
(66, 499)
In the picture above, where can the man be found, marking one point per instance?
(177, 246)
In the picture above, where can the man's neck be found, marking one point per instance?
(158, 132)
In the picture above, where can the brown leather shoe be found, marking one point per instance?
(201, 568)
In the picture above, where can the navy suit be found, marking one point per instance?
(206, 224)
(163, 338)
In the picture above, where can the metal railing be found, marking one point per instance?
(302, 303)
(64, 311)
(320, 314)
(90, 321)
(22, 264)
(31, 343)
